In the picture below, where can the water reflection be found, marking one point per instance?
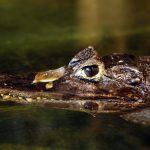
(45, 30)
(88, 21)
(96, 19)
(41, 128)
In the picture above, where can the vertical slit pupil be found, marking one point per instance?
(91, 71)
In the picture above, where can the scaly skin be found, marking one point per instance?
(121, 84)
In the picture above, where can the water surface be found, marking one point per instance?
(27, 127)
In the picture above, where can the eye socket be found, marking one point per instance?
(91, 71)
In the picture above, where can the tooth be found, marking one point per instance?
(6, 97)
(49, 85)
(38, 98)
(29, 99)
(20, 98)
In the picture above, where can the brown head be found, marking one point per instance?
(88, 76)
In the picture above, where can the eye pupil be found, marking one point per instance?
(91, 71)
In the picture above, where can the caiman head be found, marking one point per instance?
(115, 80)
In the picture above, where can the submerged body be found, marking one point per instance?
(113, 83)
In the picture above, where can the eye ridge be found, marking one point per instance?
(91, 70)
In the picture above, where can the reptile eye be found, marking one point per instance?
(91, 71)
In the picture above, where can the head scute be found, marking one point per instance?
(83, 56)
(87, 65)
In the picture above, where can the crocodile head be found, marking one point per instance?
(89, 82)
(114, 79)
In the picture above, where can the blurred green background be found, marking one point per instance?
(38, 35)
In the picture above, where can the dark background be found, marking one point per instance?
(36, 33)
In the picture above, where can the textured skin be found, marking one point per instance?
(144, 67)
(109, 94)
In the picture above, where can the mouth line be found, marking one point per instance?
(56, 100)
(93, 106)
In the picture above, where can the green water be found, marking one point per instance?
(37, 35)
(28, 127)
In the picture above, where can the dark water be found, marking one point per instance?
(27, 127)
(37, 35)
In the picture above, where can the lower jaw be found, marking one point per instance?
(74, 102)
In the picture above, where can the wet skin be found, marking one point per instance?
(113, 83)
